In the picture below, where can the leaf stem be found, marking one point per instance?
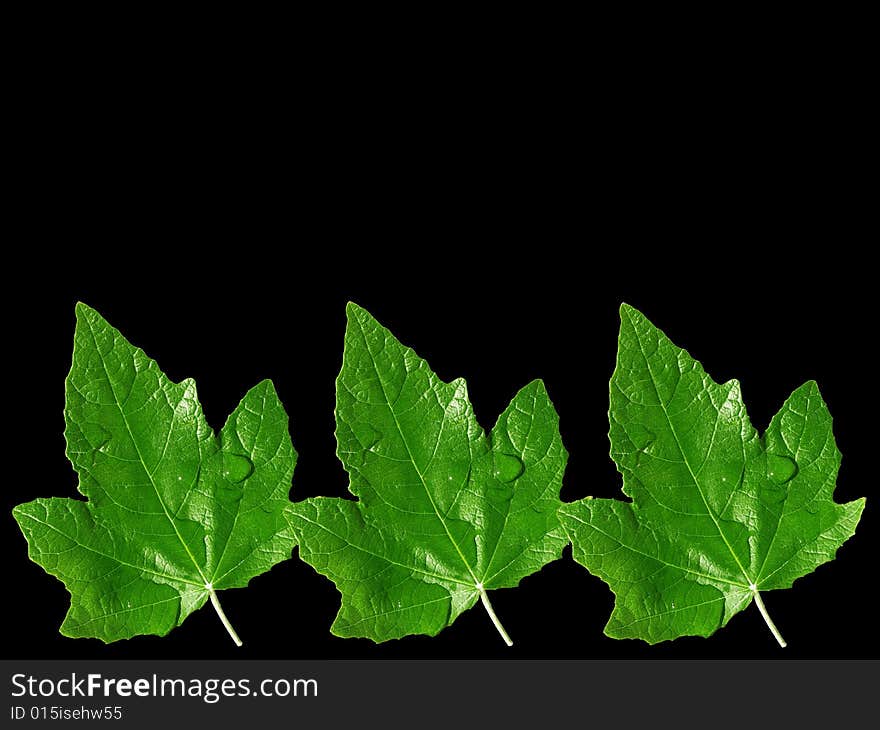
(484, 597)
(219, 609)
(769, 621)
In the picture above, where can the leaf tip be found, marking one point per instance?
(628, 310)
(857, 506)
(352, 309)
(266, 385)
(539, 385)
(536, 387)
(805, 391)
(25, 509)
(631, 316)
(84, 310)
(811, 387)
(355, 313)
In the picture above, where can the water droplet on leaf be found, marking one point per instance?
(781, 469)
(508, 467)
(237, 468)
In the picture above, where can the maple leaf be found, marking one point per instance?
(444, 513)
(174, 513)
(718, 513)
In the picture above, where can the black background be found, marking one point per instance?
(497, 238)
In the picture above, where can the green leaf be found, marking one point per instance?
(718, 513)
(174, 512)
(444, 513)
